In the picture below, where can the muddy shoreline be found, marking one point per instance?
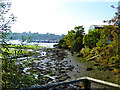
(57, 65)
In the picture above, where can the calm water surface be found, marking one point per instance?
(48, 45)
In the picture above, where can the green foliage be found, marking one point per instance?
(24, 46)
(73, 40)
(109, 52)
(91, 38)
(104, 43)
(13, 76)
(85, 51)
(76, 44)
(62, 43)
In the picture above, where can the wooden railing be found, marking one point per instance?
(86, 84)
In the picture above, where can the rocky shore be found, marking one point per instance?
(54, 65)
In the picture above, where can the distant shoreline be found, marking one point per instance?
(48, 45)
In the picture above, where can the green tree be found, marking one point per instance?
(78, 39)
(62, 43)
(74, 39)
(109, 45)
(12, 75)
(70, 38)
(91, 38)
(4, 30)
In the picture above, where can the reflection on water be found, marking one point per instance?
(48, 45)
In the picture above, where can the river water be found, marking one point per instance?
(48, 45)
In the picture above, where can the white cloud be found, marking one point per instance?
(41, 16)
(33, 14)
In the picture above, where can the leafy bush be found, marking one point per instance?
(73, 40)
(91, 38)
(62, 43)
(13, 76)
(85, 51)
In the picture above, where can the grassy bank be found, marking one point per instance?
(12, 72)
(97, 73)
(25, 46)
(21, 50)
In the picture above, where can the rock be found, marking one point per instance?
(40, 76)
(70, 67)
(53, 74)
(72, 52)
(47, 71)
(78, 55)
(89, 69)
(47, 79)
(110, 69)
(63, 77)
(62, 71)
(35, 86)
(96, 65)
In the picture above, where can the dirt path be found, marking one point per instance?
(79, 68)
(80, 71)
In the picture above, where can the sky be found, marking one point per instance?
(60, 16)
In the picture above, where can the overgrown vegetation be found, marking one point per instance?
(24, 46)
(12, 75)
(100, 45)
(73, 40)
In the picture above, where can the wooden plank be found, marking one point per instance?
(103, 82)
(86, 81)
(90, 59)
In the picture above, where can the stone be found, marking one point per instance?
(79, 55)
(62, 71)
(96, 65)
(89, 69)
(63, 77)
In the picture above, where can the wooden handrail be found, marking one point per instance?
(85, 80)
(103, 82)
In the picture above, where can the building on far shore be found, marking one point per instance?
(101, 27)
(96, 27)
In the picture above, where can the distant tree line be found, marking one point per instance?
(34, 36)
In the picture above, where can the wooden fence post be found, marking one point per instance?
(87, 84)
